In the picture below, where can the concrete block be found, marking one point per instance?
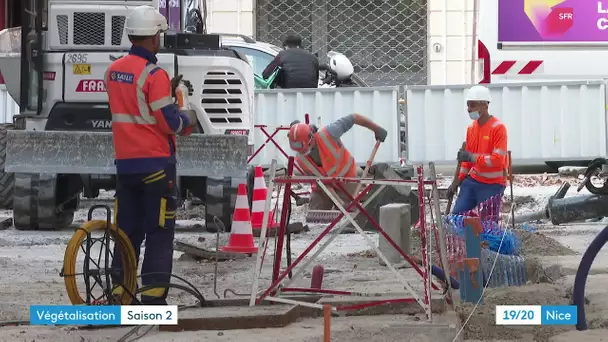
(390, 194)
(395, 220)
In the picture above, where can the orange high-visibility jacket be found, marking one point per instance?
(144, 118)
(335, 159)
(488, 143)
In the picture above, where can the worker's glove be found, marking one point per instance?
(381, 134)
(191, 116)
(464, 156)
(175, 83)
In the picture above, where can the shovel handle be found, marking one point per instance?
(454, 180)
(368, 165)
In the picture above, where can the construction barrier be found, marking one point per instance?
(279, 107)
(500, 263)
(271, 138)
(280, 284)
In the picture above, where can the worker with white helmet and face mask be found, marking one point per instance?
(145, 122)
(482, 174)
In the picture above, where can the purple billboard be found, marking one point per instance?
(171, 9)
(569, 21)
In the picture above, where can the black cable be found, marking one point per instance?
(196, 293)
(171, 285)
(191, 290)
(14, 322)
(580, 280)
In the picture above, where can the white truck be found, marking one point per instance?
(60, 145)
(545, 62)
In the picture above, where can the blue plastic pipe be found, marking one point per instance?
(438, 272)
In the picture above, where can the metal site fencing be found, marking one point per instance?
(386, 40)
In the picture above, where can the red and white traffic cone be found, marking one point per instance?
(258, 203)
(241, 235)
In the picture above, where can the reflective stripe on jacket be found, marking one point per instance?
(488, 144)
(335, 159)
(144, 118)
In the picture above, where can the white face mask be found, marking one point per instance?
(474, 115)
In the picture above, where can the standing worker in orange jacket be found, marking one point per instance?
(145, 121)
(484, 161)
(322, 154)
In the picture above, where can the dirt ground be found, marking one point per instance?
(481, 325)
(30, 263)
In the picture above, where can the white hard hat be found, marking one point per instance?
(478, 93)
(341, 65)
(145, 21)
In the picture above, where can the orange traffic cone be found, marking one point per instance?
(241, 235)
(258, 203)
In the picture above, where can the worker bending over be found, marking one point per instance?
(482, 173)
(320, 153)
(145, 121)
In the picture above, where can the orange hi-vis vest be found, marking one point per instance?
(335, 159)
(145, 119)
(488, 144)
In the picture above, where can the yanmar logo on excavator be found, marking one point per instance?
(91, 86)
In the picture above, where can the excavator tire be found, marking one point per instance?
(7, 180)
(35, 204)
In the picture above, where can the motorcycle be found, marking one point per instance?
(339, 72)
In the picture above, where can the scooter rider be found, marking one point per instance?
(299, 68)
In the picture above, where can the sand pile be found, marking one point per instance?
(534, 243)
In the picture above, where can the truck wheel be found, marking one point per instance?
(35, 205)
(7, 180)
(220, 200)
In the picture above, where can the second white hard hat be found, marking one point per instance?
(478, 93)
(342, 66)
(145, 21)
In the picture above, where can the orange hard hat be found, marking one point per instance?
(300, 136)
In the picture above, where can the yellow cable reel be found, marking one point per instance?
(126, 252)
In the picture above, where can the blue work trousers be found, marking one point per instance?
(145, 209)
(472, 193)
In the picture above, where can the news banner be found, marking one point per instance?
(103, 315)
(167, 315)
(536, 315)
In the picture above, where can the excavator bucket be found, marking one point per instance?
(203, 155)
